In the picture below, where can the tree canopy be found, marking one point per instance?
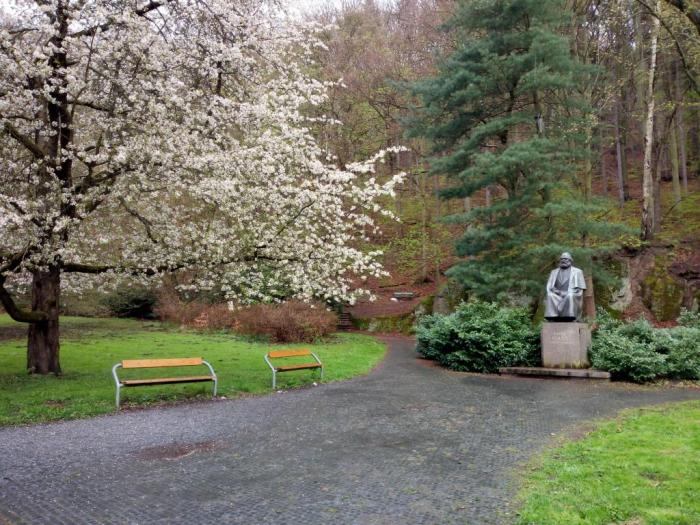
(170, 135)
(505, 119)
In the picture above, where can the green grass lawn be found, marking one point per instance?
(90, 347)
(642, 468)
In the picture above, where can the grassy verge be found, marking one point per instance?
(642, 468)
(90, 347)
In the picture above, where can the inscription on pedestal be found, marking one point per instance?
(565, 345)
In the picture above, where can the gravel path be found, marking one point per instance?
(407, 444)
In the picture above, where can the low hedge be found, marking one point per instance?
(479, 337)
(639, 352)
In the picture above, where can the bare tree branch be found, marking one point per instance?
(28, 143)
(150, 6)
(15, 312)
(677, 44)
(146, 223)
(690, 12)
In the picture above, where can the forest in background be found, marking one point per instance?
(640, 61)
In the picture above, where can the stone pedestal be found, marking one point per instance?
(565, 345)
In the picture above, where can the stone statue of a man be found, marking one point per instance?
(565, 288)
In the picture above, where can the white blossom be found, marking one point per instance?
(146, 140)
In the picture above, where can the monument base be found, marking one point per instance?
(581, 373)
(565, 345)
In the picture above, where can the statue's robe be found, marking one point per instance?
(570, 305)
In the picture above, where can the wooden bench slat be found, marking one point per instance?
(297, 367)
(289, 353)
(159, 363)
(165, 380)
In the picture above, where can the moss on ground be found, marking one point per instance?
(661, 292)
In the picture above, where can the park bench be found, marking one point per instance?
(404, 295)
(162, 363)
(282, 354)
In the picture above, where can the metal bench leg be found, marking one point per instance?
(117, 383)
(274, 380)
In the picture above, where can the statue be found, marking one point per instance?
(564, 301)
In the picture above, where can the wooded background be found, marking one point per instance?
(638, 143)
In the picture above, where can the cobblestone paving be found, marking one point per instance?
(407, 444)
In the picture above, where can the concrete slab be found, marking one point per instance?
(581, 373)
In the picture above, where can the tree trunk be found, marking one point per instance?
(648, 218)
(673, 158)
(618, 157)
(589, 298)
(43, 344)
(603, 168)
(680, 127)
(621, 156)
(424, 231)
(588, 166)
(437, 246)
(693, 131)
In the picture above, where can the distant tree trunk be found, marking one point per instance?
(603, 167)
(680, 126)
(648, 216)
(694, 132)
(436, 241)
(589, 297)
(588, 166)
(658, 173)
(618, 157)
(673, 159)
(43, 343)
(424, 230)
(621, 155)
(488, 200)
(660, 166)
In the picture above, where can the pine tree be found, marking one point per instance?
(503, 120)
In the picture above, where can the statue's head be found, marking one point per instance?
(565, 260)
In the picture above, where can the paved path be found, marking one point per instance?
(407, 444)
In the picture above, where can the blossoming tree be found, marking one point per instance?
(142, 138)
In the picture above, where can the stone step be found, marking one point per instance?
(581, 373)
(344, 321)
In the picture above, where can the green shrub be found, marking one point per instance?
(640, 331)
(605, 321)
(639, 352)
(132, 301)
(684, 353)
(479, 337)
(626, 358)
(689, 319)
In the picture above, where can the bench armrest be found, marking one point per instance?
(211, 369)
(267, 360)
(114, 373)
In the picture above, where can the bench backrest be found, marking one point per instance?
(288, 353)
(158, 363)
